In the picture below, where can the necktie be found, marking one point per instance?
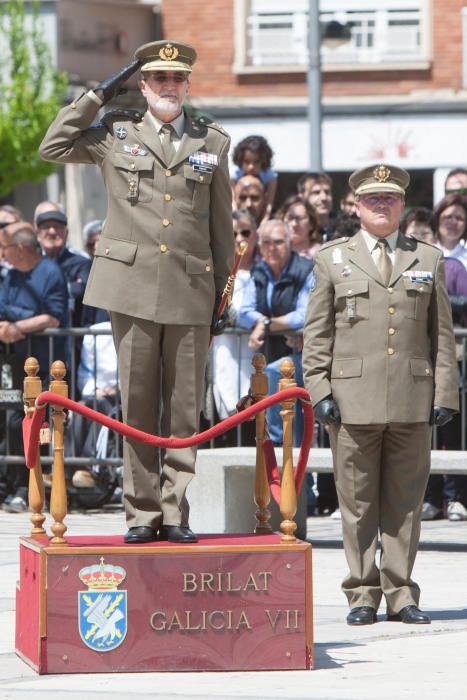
(384, 263)
(167, 145)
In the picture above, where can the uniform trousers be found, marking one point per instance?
(161, 371)
(381, 474)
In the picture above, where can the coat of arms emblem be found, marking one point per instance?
(102, 607)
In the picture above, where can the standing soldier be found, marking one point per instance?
(379, 363)
(159, 268)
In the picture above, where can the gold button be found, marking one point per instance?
(391, 309)
(107, 251)
(208, 268)
(391, 331)
(391, 351)
(165, 222)
(349, 291)
(201, 178)
(421, 288)
(341, 372)
(163, 248)
(167, 197)
(390, 290)
(132, 166)
(168, 173)
(428, 371)
(73, 105)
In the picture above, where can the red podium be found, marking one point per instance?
(228, 603)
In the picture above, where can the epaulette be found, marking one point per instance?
(122, 115)
(206, 121)
(335, 241)
(432, 245)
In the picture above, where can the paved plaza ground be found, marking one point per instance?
(386, 661)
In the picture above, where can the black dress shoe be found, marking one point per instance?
(177, 533)
(142, 533)
(363, 615)
(411, 615)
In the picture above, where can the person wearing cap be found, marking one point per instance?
(379, 364)
(51, 227)
(160, 266)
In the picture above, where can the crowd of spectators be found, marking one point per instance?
(43, 280)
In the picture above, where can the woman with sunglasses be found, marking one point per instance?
(231, 355)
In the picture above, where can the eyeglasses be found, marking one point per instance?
(295, 219)
(245, 232)
(268, 242)
(372, 199)
(164, 78)
(58, 228)
(457, 190)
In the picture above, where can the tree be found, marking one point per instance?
(32, 91)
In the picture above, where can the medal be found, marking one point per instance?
(121, 132)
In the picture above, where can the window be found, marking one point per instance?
(273, 34)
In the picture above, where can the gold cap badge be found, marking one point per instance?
(381, 173)
(169, 52)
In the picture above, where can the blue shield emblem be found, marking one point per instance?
(102, 609)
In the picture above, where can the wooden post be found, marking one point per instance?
(259, 390)
(288, 505)
(32, 387)
(58, 499)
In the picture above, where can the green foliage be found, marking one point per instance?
(32, 92)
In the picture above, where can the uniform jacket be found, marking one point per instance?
(165, 251)
(386, 354)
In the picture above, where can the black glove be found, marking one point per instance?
(218, 324)
(110, 87)
(327, 411)
(441, 416)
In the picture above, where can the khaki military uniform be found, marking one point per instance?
(386, 354)
(166, 249)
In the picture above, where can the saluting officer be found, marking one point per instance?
(379, 363)
(164, 255)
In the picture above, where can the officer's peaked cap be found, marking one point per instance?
(166, 55)
(379, 178)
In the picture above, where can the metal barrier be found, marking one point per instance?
(75, 336)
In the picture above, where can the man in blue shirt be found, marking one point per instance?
(33, 297)
(275, 299)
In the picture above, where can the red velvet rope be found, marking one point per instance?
(32, 426)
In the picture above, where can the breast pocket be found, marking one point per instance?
(132, 177)
(352, 301)
(417, 299)
(200, 185)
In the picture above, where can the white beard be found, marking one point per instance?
(163, 105)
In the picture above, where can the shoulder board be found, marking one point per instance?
(430, 245)
(122, 115)
(206, 121)
(336, 241)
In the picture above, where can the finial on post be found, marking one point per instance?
(58, 497)
(32, 387)
(259, 391)
(288, 504)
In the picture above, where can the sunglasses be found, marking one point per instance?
(457, 190)
(245, 232)
(372, 200)
(164, 78)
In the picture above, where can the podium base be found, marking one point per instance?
(227, 603)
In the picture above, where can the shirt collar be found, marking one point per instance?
(371, 240)
(178, 124)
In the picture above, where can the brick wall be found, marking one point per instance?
(208, 25)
